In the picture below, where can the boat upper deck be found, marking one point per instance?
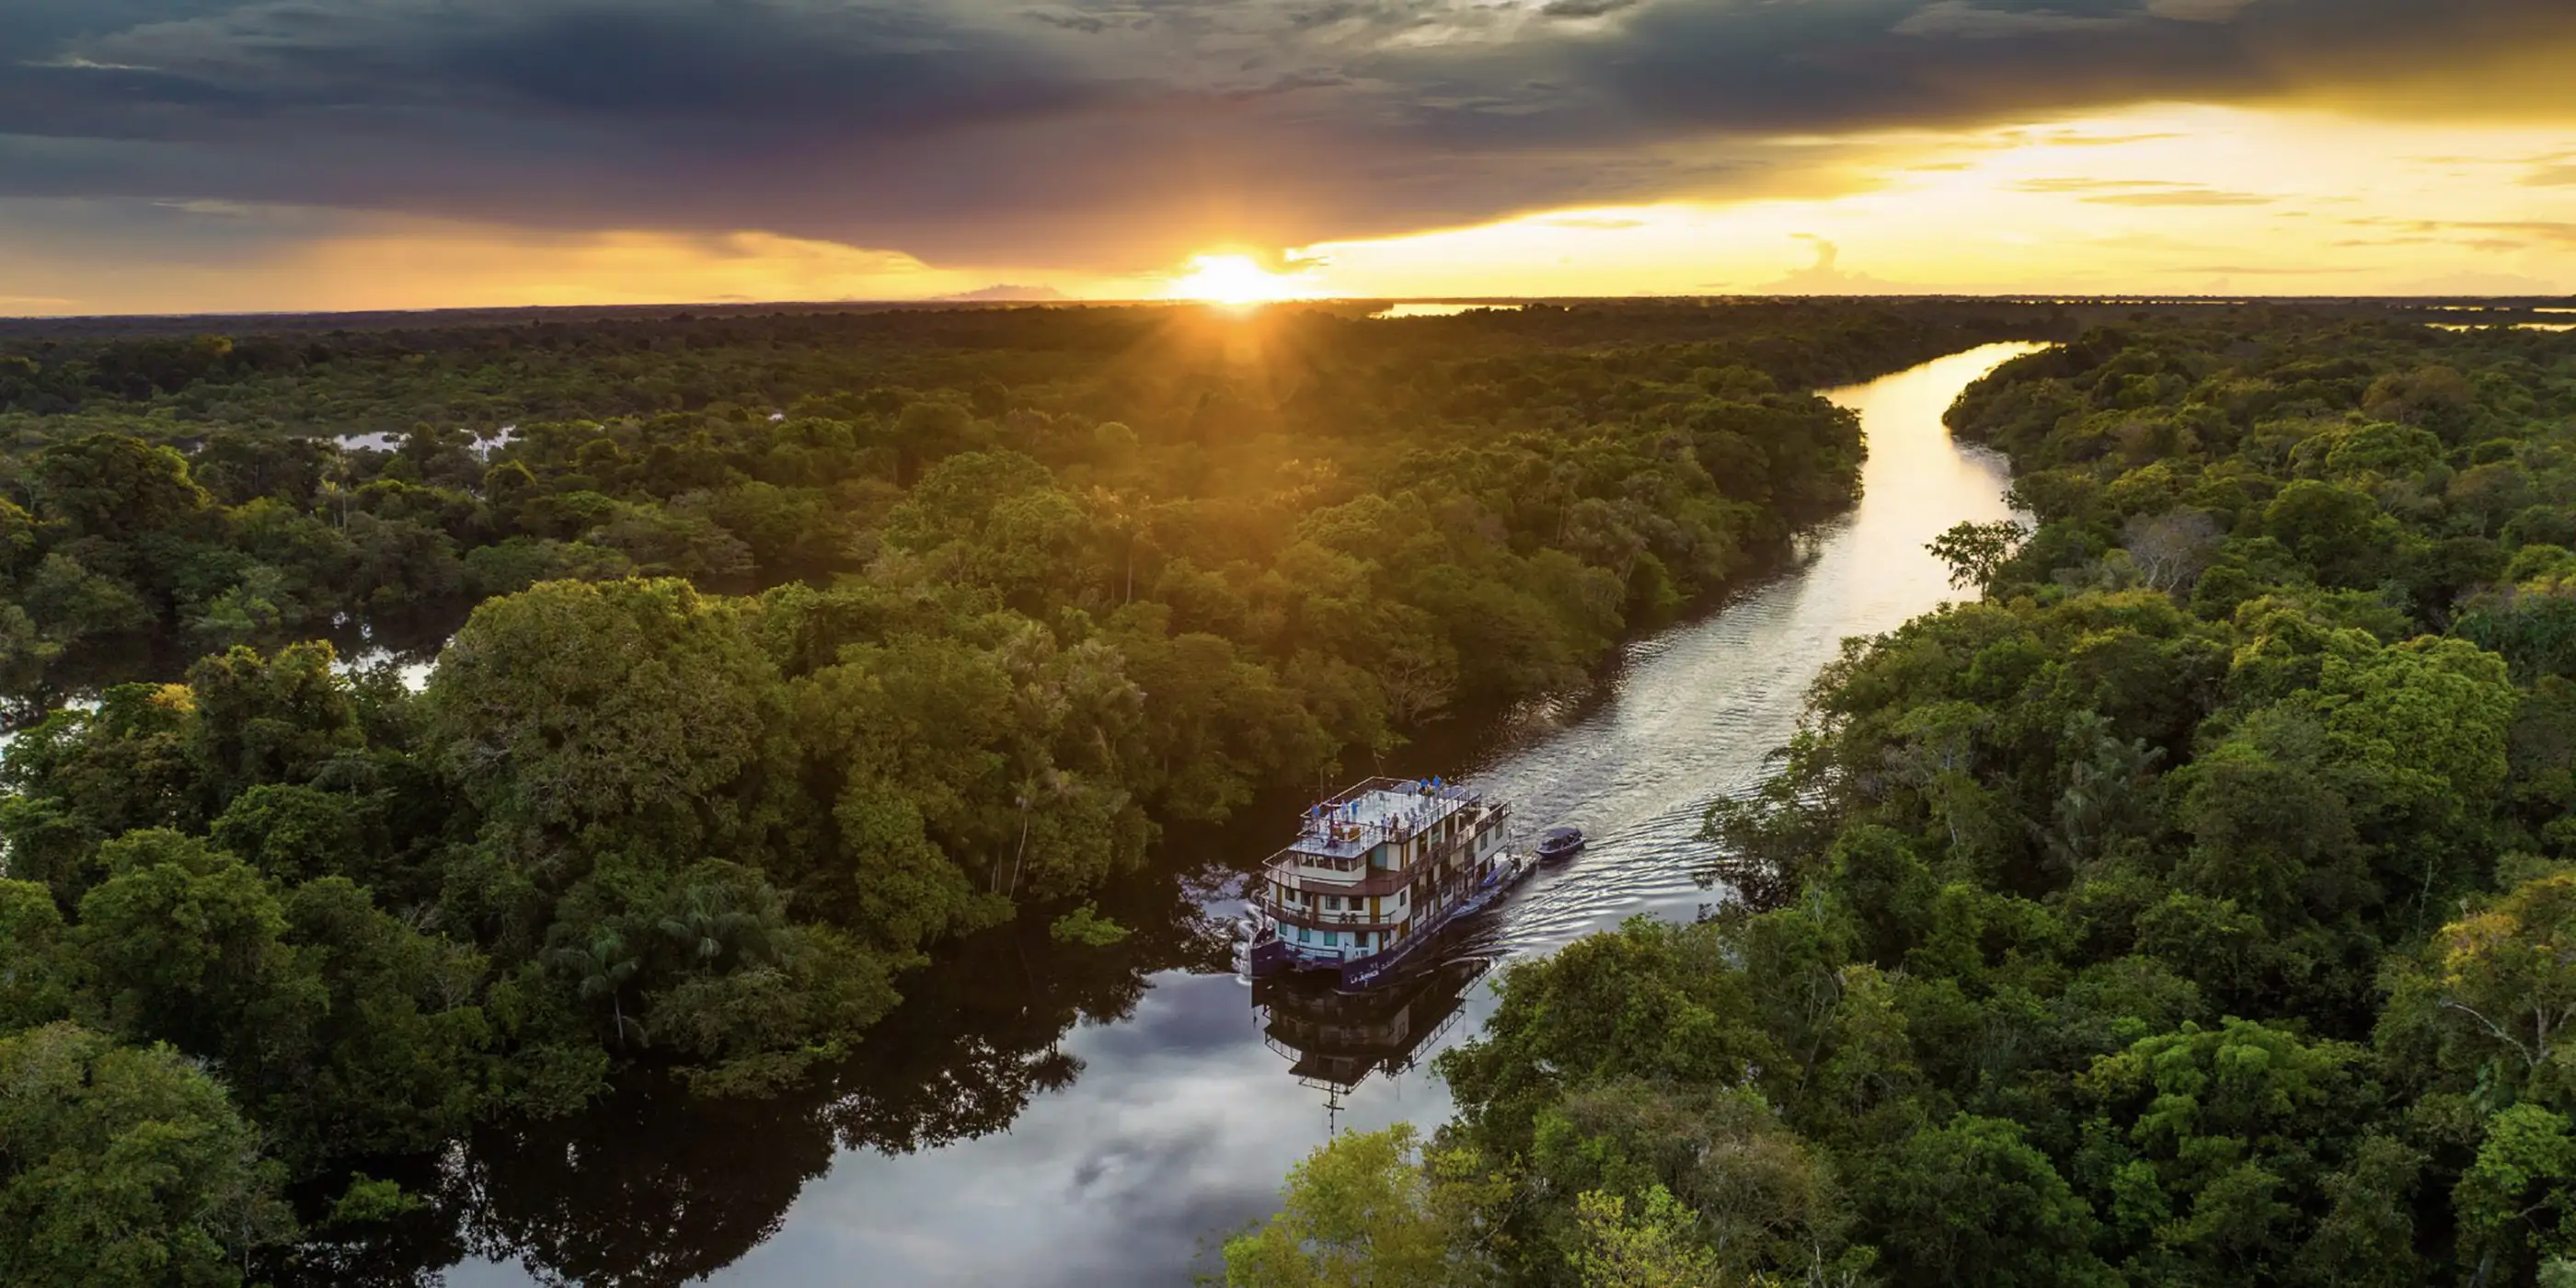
(1377, 811)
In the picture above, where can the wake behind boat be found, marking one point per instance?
(1375, 871)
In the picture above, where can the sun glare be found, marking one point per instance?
(1235, 280)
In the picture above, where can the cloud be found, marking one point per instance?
(2559, 231)
(1002, 291)
(2180, 197)
(2260, 270)
(1965, 18)
(1827, 277)
(2198, 10)
(1121, 134)
(2515, 233)
(2141, 192)
(2556, 176)
(2079, 185)
(2474, 284)
(1584, 8)
(1082, 22)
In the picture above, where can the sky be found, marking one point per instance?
(223, 155)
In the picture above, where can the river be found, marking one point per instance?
(987, 1144)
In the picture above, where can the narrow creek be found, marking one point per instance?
(1169, 1113)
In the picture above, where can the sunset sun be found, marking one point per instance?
(1237, 280)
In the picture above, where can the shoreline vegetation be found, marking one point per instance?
(2186, 905)
(799, 644)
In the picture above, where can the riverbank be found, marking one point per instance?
(1066, 1119)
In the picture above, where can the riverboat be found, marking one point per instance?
(1560, 843)
(1376, 870)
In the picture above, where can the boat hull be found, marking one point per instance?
(1272, 956)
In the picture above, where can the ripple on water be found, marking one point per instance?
(1182, 1121)
(1699, 708)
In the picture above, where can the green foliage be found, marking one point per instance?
(370, 1200)
(1085, 926)
(125, 1167)
(579, 703)
(2194, 909)
(977, 608)
(1973, 1201)
(1652, 1249)
(1372, 1209)
(1977, 552)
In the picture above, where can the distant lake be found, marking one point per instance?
(1437, 309)
(389, 441)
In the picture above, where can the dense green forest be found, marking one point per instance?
(2190, 907)
(784, 648)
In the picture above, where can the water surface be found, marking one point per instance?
(981, 1148)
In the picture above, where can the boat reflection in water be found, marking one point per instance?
(1334, 1039)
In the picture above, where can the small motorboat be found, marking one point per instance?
(1560, 843)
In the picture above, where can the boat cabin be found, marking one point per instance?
(1377, 865)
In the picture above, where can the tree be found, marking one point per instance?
(274, 719)
(186, 945)
(1973, 1202)
(2172, 549)
(2210, 1143)
(1696, 1181)
(68, 601)
(1372, 1210)
(1649, 1001)
(1977, 552)
(399, 1055)
(574, 703)
(1653, 1249)
(116, 487)
(293, 833)
(2331, 527)
(2514, 1202)
(2504, 989)
(123, 1167)
(35, 974)
(600, 966)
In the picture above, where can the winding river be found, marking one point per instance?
(1168, 1113)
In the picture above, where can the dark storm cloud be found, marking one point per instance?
(1113, 130)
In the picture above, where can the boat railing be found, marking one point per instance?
(1379, 881)
(1315, 919)
(1286, 871)
(1321, 826)
(1293, 859)
(1402, 787)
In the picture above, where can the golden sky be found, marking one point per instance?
(228, 155)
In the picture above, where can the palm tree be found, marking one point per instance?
(603, 966)
(711, 922)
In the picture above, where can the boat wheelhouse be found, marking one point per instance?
(1374, 871)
